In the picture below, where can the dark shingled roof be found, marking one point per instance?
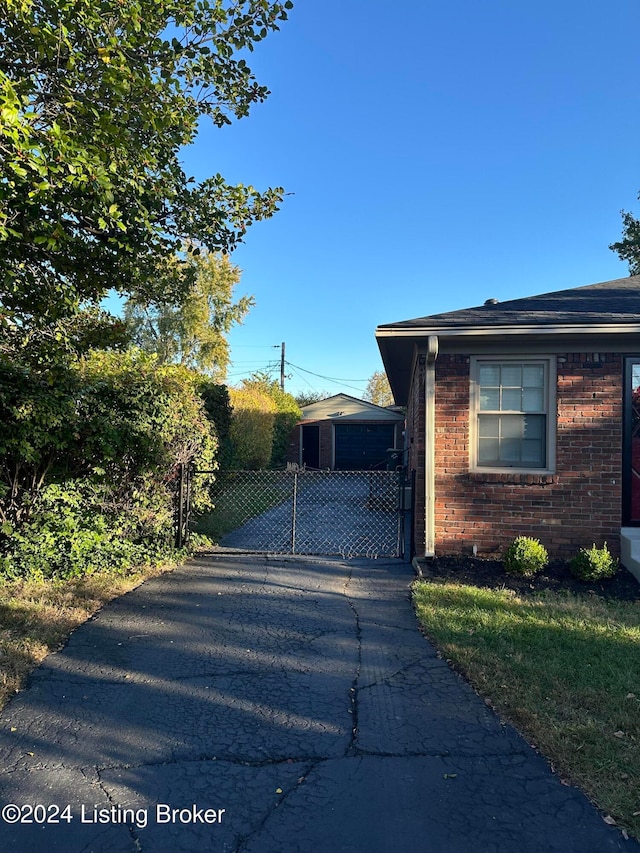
(608, 302)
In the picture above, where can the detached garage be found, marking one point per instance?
(346, 434)
(363, 446)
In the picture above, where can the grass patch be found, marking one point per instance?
(563, 668)
(36, 617)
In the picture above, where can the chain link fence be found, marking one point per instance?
(345, 513)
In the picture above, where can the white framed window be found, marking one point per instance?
(512, 415)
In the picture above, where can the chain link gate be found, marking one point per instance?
(343, 513)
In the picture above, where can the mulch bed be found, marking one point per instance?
(556, 577)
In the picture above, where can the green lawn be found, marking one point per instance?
(564, 669)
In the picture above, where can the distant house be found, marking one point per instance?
(346, 434)
(523, 418)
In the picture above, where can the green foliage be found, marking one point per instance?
(89, 455)
(41, 342)
(592, 564)
(192, 330)
(69, 534)
(217, 406)
(629, 247)
(305, 398)
(97, 100)
(288, 414)
(252, 427)
(38, 417)
(525, 556)
(378, 390)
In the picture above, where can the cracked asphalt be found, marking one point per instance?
(291, 703)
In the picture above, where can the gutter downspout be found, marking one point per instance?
(429, 446)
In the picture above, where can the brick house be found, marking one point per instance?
(345, 433)
(522, 419)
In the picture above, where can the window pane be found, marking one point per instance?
(489, 374)
(516, 436)
(533, 375)
(511, 400)
(490, 399)
(512, 426)
(532, 400)
(534, 426)
(511, 375)
(510, 450)
(533, 454)
(489, 426)
(488, 451)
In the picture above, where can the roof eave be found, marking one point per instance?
(393, 342)
(486, 331)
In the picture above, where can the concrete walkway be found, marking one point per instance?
(262, 705)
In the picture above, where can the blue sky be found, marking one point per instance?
(437, 154)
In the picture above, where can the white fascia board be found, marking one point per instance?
(485, 331)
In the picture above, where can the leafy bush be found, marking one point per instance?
(148, 419)
(217, 406)
(38, 420)
(592, 564)
(525, 557)
(251, 428)
(67, 536)
(89, 463)
(287, 415)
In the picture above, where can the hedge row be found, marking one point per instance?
(88, 462)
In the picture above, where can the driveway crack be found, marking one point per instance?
(353, 690)
(244, 840)
(118, 809)
(387, 678)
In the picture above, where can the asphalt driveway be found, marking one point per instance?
(272, 705)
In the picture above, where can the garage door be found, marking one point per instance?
(360, 447)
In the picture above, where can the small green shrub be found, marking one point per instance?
(592, 564)
(525, 557)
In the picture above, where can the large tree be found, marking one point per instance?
(97, 98)
(629, 247)
(192, 331)
(378, 390)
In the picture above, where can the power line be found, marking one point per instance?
(303, 378)
(320, 376)
(271, 367)
(330, 378)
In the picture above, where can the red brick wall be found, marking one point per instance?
(293, 451)
(578, 505)
(326, 443)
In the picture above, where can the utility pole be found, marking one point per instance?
(282, 366)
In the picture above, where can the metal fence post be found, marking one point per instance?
(180, 513)
(190, 471)
(293, 512)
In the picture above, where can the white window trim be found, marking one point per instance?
(550, 364)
